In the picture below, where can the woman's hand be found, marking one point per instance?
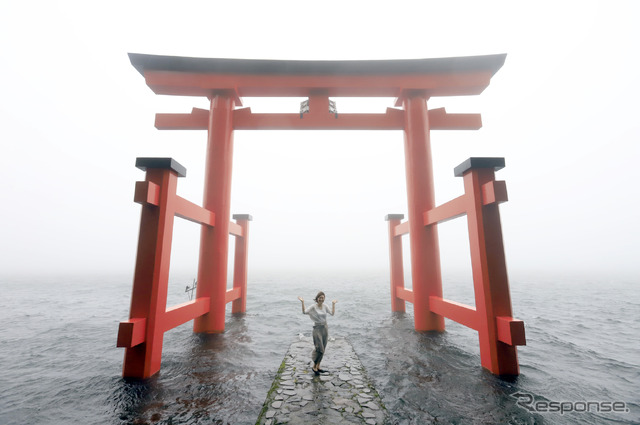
(301, 299)
(334, 301)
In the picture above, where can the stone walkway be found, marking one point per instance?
(343, 396)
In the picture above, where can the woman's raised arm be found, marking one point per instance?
(302, 301)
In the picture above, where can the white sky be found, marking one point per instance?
(563, 111)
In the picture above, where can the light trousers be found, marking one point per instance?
(320, 337)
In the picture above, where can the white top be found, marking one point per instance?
(318, 314)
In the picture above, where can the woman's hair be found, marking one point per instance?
(318, 296)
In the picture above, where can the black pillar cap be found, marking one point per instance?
(162, 163)
(478, 162)
(389, 217)
(242, 217)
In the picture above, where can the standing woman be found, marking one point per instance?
(318, 313)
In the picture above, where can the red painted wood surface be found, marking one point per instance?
(425, 254)
(498, 332)
(224, 82)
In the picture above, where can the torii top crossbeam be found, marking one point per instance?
(317, 80)
(289, 78)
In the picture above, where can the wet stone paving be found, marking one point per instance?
(344, 395)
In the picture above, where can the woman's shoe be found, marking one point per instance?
(323, 371)
(317, 372)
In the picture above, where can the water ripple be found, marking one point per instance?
(60, 363)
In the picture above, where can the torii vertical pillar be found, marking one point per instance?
(497, 331)
(214, 242)
(240, 263)
(425, 254)
(143, 333)
(397, 268)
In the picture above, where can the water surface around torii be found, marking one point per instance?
(59, 363)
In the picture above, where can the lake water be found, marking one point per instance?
(59, 363)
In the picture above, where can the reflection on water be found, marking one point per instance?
(206, 383)
(425, 377)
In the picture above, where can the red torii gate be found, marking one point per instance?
(411, 82)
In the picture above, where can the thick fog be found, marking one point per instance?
(563, 111)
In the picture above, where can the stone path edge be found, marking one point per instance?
(274, 386)
(345, 395)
